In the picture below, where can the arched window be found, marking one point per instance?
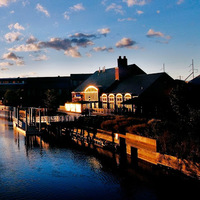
(91, 93)
(104, 98)
(111, 99)
(127, 96)
(119, 99)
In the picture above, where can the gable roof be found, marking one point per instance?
(195, 81)
(99, 79)
(105, 79)
(137, 84)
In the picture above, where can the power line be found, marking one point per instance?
(192, 70)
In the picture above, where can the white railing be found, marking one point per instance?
(103, 110)
(48, 119)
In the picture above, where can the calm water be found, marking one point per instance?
(33, 169)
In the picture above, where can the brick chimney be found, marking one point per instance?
(122, 62)
(117, 73)
(121, 70)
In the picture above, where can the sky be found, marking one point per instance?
(40, 38)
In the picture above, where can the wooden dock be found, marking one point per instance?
(25, 128)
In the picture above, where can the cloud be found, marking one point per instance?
(179, 2)
(31, 40)
(73, 52)
(6, 2)
(127, 19)
(25, 48)
(136, 2)
(66, 15)
(125, 43)
(5, 64)
(151, 34)
(97, 49)
(16, 26)
(77, 7)
(4, 68)
(12, 36)
(56, 44)
(41, 57)
(139, 12)
(26, 2)
(28, 74)
(40, 8)
(69, 45)
(83, 35)
(116, 8)
(104, 31)
(82, 42)
(11, 56)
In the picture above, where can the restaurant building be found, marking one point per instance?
(125, 88)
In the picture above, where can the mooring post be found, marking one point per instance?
(88, 137)
(17, 116)
(134, 156)
(39, 120)
(123, 155)
(26, 125)
(29, 110)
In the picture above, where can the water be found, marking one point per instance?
(33, 169)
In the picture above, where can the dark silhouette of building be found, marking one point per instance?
(31, 91)
(125, 87)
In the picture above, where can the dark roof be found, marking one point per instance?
(79, 76)
(101, 80)
(138, 84)
(195, 81)
(105, 80)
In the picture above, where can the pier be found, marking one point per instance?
(32, 121)
(130, 147)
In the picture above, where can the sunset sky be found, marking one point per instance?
(62, 37)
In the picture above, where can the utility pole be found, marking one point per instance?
(163, 68)
(192, 70)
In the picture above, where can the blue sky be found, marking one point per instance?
(62, 37)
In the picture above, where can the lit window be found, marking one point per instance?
(104, 98)
(127, 96)
(119, 98)
(111, 98)
(91, 93)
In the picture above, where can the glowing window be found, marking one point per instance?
(91, 93)
(127, 96)
(111, 98)
(119, 98)
(104, 98)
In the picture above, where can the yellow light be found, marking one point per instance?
(73, 107)
(91, 87)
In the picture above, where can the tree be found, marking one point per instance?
(11, 98)
(51, 100)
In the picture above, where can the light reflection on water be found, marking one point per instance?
(31, 169)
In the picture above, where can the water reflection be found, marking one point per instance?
(33, 168)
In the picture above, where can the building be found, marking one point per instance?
(31, 90)
(125, 88)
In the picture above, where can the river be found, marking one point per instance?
(33, 169)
